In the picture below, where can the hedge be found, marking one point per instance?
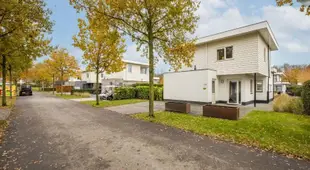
(297, 90)
(146, 84)
(305, 96)
(91, 91)
(48, 89)
(139, 92)
(121, 93)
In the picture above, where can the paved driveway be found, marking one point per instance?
(52, 133)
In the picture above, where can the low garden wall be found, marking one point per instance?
(177, 107)
(223, 112)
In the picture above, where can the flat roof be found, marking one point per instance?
(262, 27)
(135, 62)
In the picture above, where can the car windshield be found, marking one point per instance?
(26, 86)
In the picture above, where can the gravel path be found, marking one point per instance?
(52, 133)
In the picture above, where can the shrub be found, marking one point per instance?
(281, 103)
(90, 91)
(297, 90)
(124, 93)
(286, 103)
(158, 93)
(48, 89)
(142, 92)
(305, 96)
(296, 105)
(146, 84)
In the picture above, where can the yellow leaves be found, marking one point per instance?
(303, 8)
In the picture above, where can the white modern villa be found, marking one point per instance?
(134, 72)
(279, 84)
(231, 67)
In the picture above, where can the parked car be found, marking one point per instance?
(25, 90)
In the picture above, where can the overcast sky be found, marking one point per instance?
(290, 26)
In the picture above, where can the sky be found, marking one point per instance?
(290, 26)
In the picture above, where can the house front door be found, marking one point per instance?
(234, 92)
(213, 92)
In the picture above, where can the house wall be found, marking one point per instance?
(90, 79)
(245, 52)
(135, 75)
(262, 61)
(199, 60)
(192, 86)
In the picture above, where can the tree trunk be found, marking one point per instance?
(97, 87)
(53, 84)
(11, 91)
(4, 81)
(151, 75)
(61, 87)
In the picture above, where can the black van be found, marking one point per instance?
(25, 90)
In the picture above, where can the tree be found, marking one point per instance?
(102, 45)
(304, 74)
(305, 6)
(23, 28)
(64, 64)
(291, 74)
(155, 26)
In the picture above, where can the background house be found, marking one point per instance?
(229, 67)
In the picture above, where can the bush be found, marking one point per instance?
(146, 84)
(121, 93)
(296, 106)
(142, 92)
(281, 103)
(90, 91)
(286, 103)
(139, 92)
(48, 89)
(297, 90)
(305, 96)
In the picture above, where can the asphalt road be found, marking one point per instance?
(51, 133)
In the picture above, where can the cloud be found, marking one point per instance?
(297, 47)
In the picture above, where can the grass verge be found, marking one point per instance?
(68, 96)
(10, 102)
(106, 103)
(281, 132)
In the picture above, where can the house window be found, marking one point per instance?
(259, 86)
(213, 86)
(143, 70)
(87, 75)
(251, 86)
(101, 75)
(229, 52)
(264, 54)
(220, 54)
(129, 68)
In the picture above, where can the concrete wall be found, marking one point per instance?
(189, 86)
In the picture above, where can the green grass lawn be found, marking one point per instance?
(106, 103)
(68, 96)
(281, 132)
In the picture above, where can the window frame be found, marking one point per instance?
(225, 53)
(251, 86)
(232, 52)
(217, 53)
(143, 68)
(87, 75)
(129, 68)
(262, 83)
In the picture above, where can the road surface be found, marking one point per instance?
(51, 133)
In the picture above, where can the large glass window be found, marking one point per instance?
(220, 54)
(229, 52)
(143, 70)
(251, 86)
(259, 86)
(129, 68)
